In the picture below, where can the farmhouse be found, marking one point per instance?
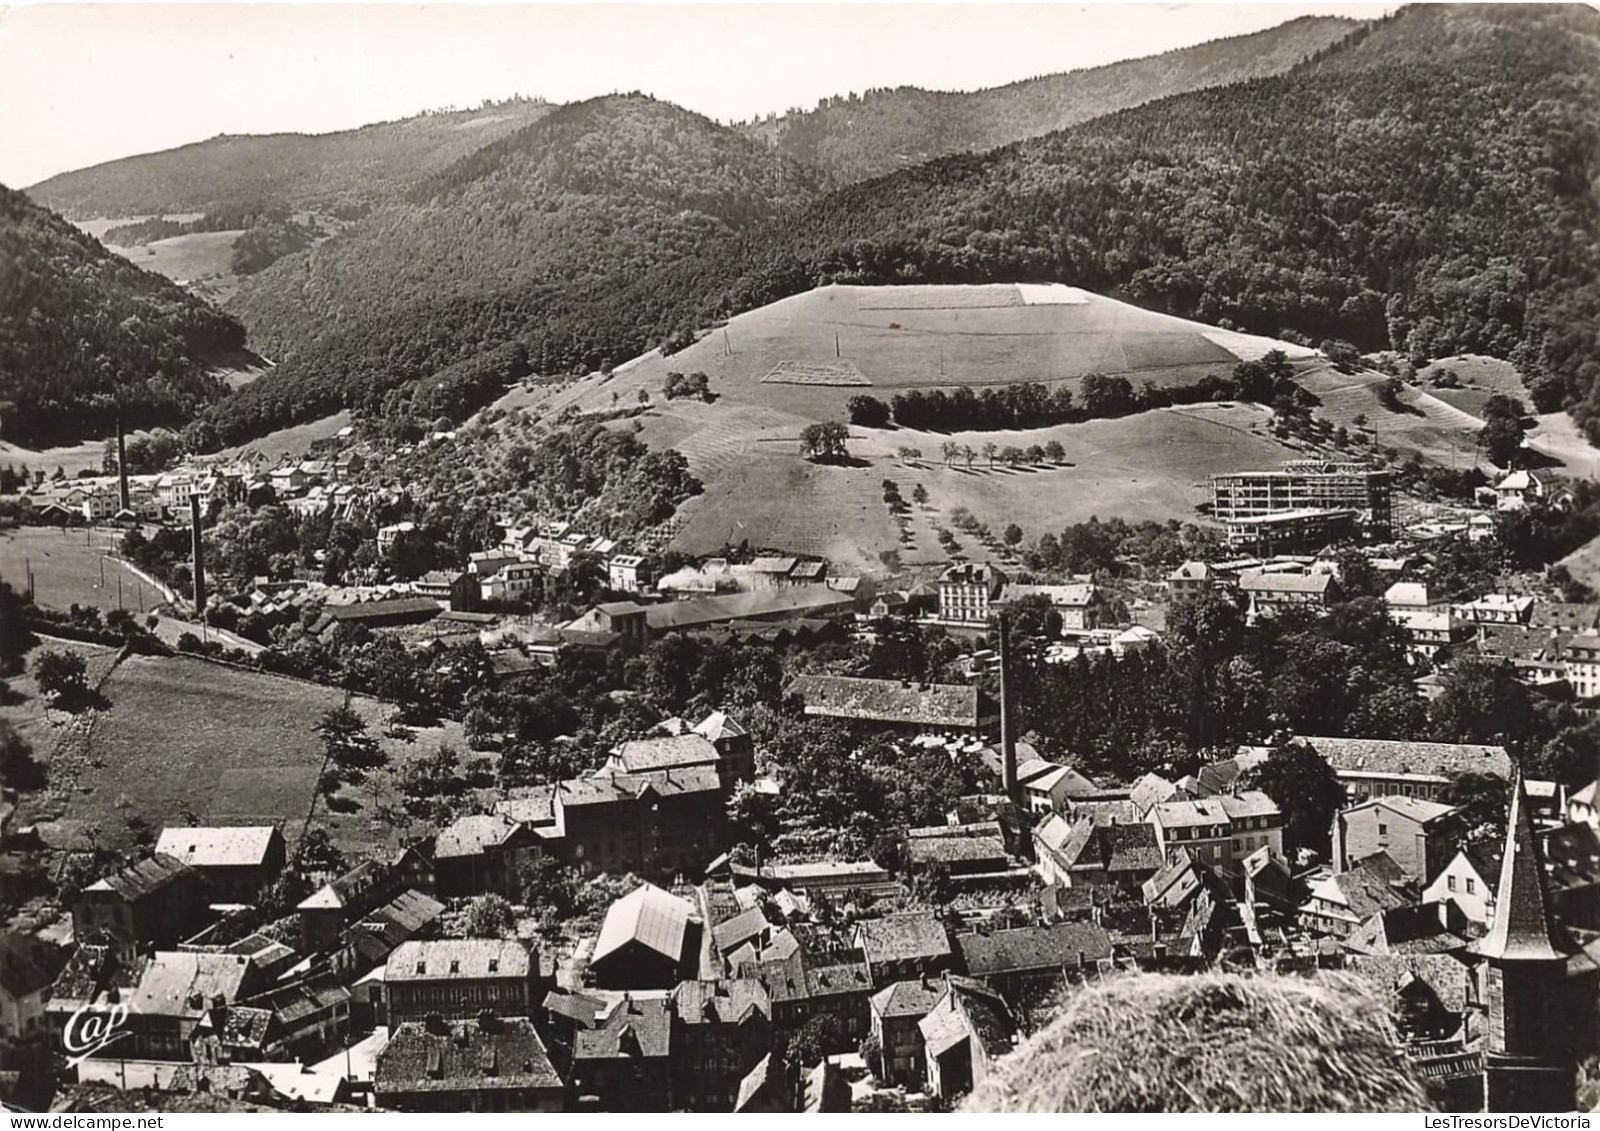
(898, 705)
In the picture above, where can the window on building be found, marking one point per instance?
(1472, 886)
(1450, 882)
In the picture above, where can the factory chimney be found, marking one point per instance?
(1008, 732)
(199, 555)
(123, 498)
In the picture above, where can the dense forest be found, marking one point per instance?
(554, 237)
(346, 171)
(852, 137)
(1427, 187)
(1424, 185)
(84, 335)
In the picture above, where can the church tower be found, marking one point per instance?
(1529, 1052)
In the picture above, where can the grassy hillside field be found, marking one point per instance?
(71, 568)
(182, 735)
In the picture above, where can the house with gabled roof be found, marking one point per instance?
(29, 967)
(1020, 962)
(1419, 836)
(482, 853)
(484, 1064)
(1339, 902)
(769, 1088)
(897, 1009)
(964, 1035)
(237, 862)
(1466, 882)
(624, 1063)
(155, 901)
(459, 978)
(904, 945)
(720, 1030)
(650, 939)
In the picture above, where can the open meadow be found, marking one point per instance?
(181, 737)
(72, 567)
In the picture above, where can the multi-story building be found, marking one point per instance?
(896, 1012)
(967, 593)
(623, 1062)
(1305, 485)
(1374, 767)
(1419, 836)
(486, 1064)
(653, 824)
(1266, 593)
(156, 901)
(720, 1030)
(1583, 663)
(1218, 830)
(1190, 580)
(1291, 532)
(459, 978)
(237, 862)
(627, 573)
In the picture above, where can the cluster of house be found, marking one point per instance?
(307, 487)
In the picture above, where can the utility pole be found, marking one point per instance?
(836, 344)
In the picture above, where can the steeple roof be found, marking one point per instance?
(1523, 927)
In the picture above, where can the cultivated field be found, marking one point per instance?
(71, 567)
(181, 735)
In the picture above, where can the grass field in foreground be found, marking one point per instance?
(184, 736)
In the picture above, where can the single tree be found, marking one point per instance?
(489, 917)
(62, 677)
(1306, 791)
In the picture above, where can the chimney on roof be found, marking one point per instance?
(1008, 737)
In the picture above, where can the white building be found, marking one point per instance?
(1518, 490)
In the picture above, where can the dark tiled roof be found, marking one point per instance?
(1378, 756)
(762, 604)
(638, 1028)
(768, 1078)
(934, 705)
(1389, 973)
(921, 851)
(144, 877)
(913, 998)
(1523, 927)
(1033, 948)
(576, 1007)
(725, 1001)
(295, 1003)
(742, 927)
(418, 961)
(908, 935)
(614, 788)
(839, 978)
(646, 754)
(500, 1054)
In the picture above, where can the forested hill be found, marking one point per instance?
(548, 238)
(1430, 184)
(851, 138)
(82, 330)
(344, 172)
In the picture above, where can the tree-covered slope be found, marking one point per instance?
(1430, 185)
(549, 237)
(341, 171)
(83, 331)
(851, 138)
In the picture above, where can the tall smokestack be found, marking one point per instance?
(123, 498)
(1008, 734)
(199, 554)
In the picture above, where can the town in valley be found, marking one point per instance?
(1076, 596)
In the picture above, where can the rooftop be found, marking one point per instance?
(638, 1028)
(932, 705)
(218, 847)
(187, 983)
(910, 934)
(1033, 948)
(494, 1054)
(648, 915)
(473, 835)
(1379, 756)
(762, 604)
(438, 959)
(143, 877)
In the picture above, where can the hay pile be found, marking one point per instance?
(1212, 1043)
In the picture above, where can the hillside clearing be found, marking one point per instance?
(183, 735)
(71, 568)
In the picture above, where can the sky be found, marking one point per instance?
(86, 83)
